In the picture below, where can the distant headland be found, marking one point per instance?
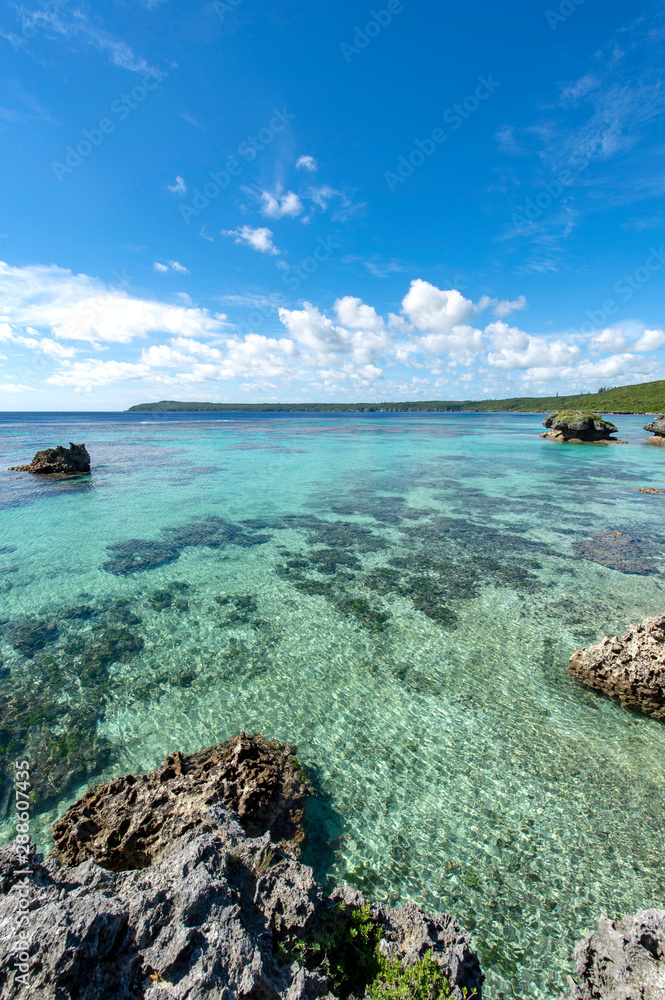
(647, 397)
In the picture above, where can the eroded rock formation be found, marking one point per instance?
(60, 461)
(577, 427)
(129, 822)
(631, 668)
(622, 960)
(198, 907)
(657, 429)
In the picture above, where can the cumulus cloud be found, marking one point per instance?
(651, 340)
(258, 239)
(78, 307)
(276, 206)
(353, 313)
(432, 309)
(310, 327)
(306, 163)
(518, 350)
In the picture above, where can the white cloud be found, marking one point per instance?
(172, 265)
(651, 340)
(78, 307)
(505, 306)
(15, 387)
(518, 350)
(259, 239)
(608, 341)
(179, 187)
(57, 21)
(280, 205)
(430, 308)
(306, 163)
(353, 313)
(310, 327)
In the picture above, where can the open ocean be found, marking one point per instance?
(397, 594)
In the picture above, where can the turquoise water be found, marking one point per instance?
(398, 595)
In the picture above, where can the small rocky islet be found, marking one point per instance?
(578, 427)
(186, 882)
(58, 462)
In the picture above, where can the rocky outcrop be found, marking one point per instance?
(631, 668)
(577, 427)
(657, 429)
(72, 461)
(128, 823)
(217, 913)
(622, 960)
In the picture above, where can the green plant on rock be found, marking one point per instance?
(424, 980)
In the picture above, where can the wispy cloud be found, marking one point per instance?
(307, 163)
(171, 265)
(179, 187)
(75, 23)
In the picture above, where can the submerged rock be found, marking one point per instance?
(72, 461)
(218, 909)
(622, 960)
(657, 429)
(128, 823)
(578, 427)
(631, 668)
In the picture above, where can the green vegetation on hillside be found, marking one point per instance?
(648, 397)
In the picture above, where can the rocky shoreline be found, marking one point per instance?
(186, 882)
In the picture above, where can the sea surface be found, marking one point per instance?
(397, 594)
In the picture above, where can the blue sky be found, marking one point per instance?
(237, 201)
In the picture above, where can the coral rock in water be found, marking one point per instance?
(631, 668)
(578, 427)
(657, 428)
(72, 461)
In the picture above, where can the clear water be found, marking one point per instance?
(402, 605)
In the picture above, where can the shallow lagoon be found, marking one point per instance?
(398, 595)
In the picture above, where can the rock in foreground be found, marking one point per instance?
(129, 822)
(72, 461)
(657, 429)
(218, 914)
(578, 427)
(631, 668)
(622, 960)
